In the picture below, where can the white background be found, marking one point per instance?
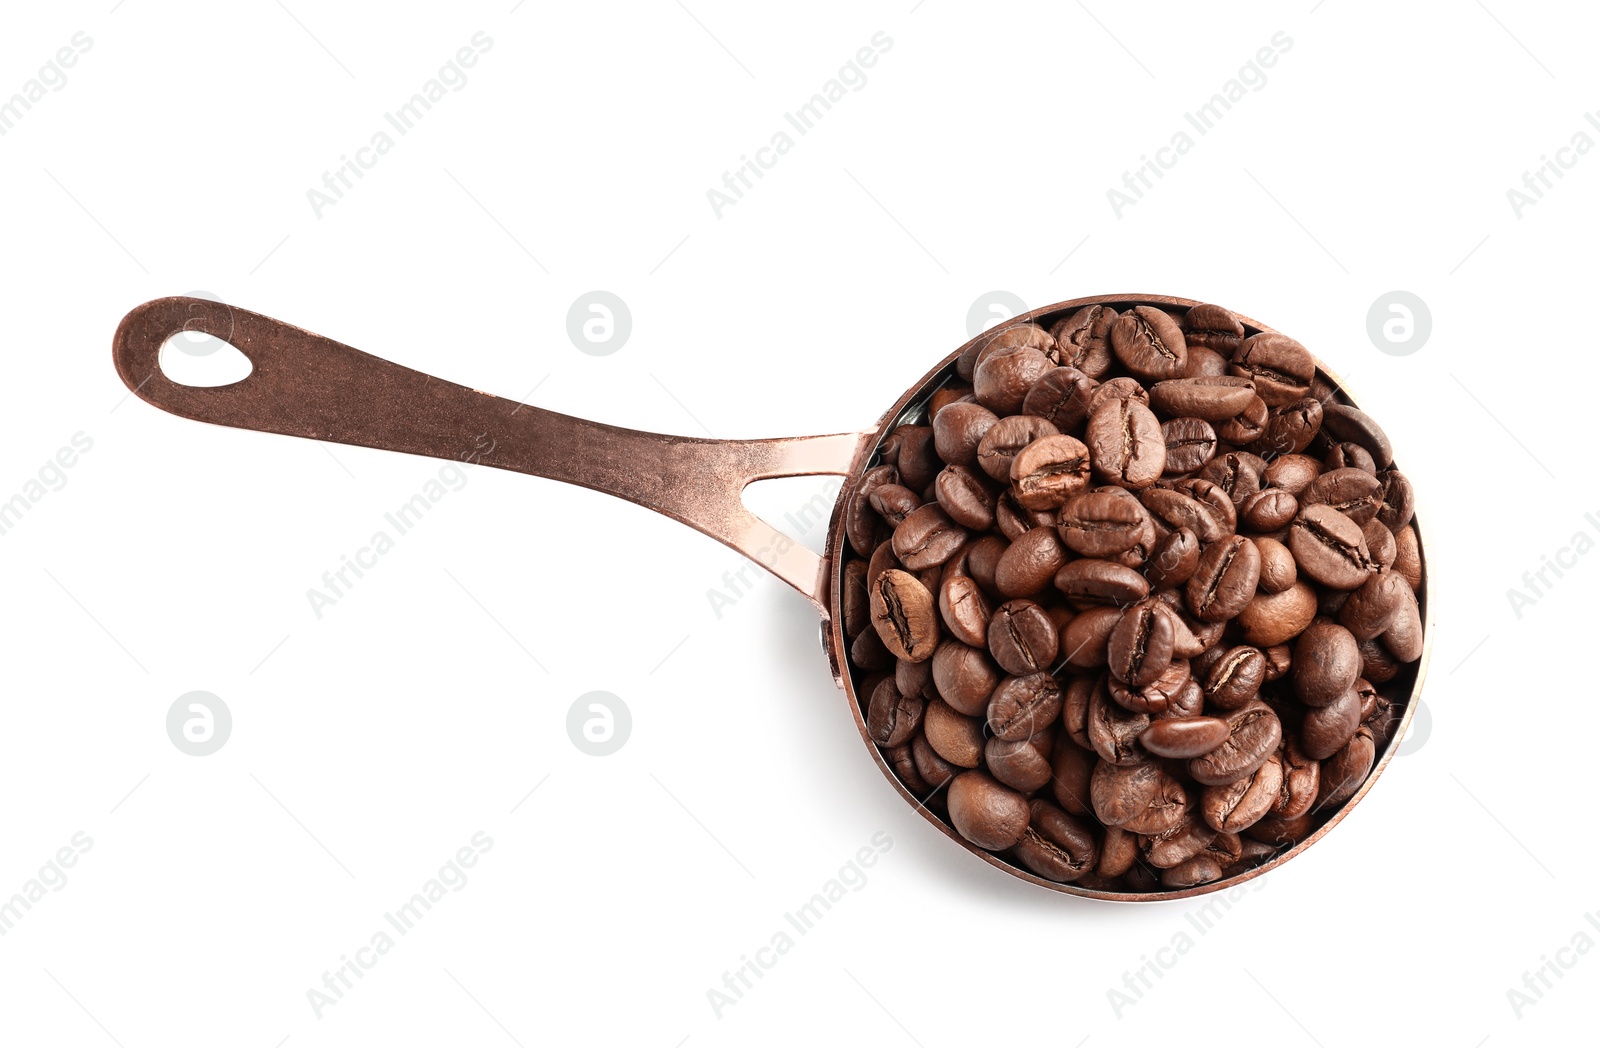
(370, 744)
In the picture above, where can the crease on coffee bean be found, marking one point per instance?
(1328, 539)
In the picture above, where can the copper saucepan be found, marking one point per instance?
(305, 385)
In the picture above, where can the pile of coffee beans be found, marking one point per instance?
(1134, 601)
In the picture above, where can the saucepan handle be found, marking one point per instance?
(304, 385)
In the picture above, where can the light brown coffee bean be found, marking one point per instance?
(1006, 439)
(1149, 343)
(1225, 579)
(903, 614)
(1125, 444)
(1273, 618)
(1280, 367)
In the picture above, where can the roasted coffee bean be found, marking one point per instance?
(934, 769)
(1225, 579)
(1187, 701)
(1061, 398)
(1125, 444)
(1023, 706)
(1345, 423)
(918, 460)
(1177, 845)
(964, 677)
(1345, 455)
(1205, 363)
(1001, 445)
(1280, 367)
(1085, 638)
(1022, 638)
(904, 763)
(1268, 510)
(1022, 764)
(1345, 771)
(1404, 636)
(1046, 473)
(853, 598)
(1197, 869)
(894, 503)
(1292, 473)
(1029, 564)
(1328, 547)
(954, 736)
(1236, 806)
(1083, 339)
(1071, 767)
(1208, 398)
(1021, 334)
(1398, 500)
(982, 556)
(1155, 698)
(1380, 543)
(1113, 731)
(1075, 702)
(1377, 663)
(1119, 850)
(986, 813)
(1140, 647)
(862, 524)
(1354, 492)
(915, 678)
(965, 610)
(1215, 500)
(1254, 734)
(867, 652)
(1213, 327)
(958, 429)
(1326, 663)
(1277, 566)
(883, 559)
(1408, 556)
(1149, 343)
(1002, 378)
(1100, 524)
(1191, 442)
(1186, 644)
(1273, 618)
(1185, 737)
(1280, 832)
(1326, 729)
(1379, 714)
(1123, 387)
(1088, 582)
(965, 498)
(1174, 560)
(1013, 520)
(1056, 845)
(892, 718)
(927, 537)
(1141, 797)
(1248, 425)
(1302, 779)
(1290, 429)
(944, 397)
(1236, 678)
(903, 614)
(1174, 509)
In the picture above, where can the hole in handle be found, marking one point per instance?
(797, 506)
(194, 358)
